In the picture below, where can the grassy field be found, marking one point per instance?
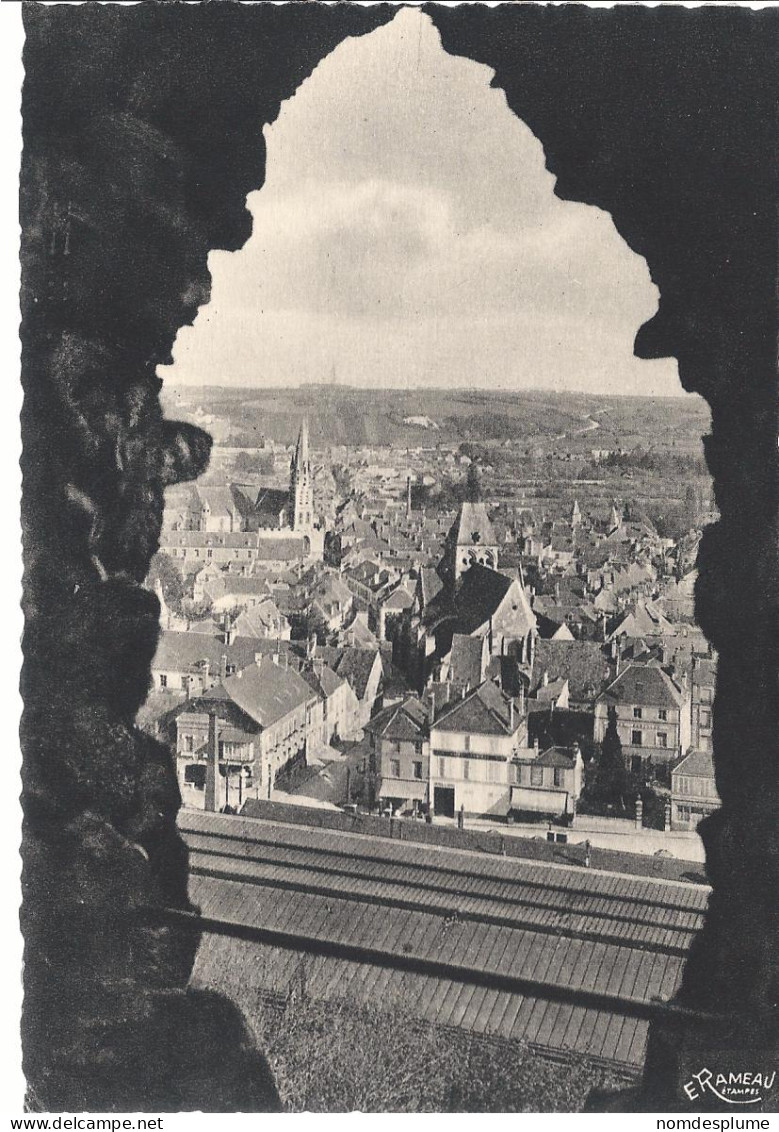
(336, 1056)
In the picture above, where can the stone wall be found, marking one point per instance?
(666, 120)
(142, 138)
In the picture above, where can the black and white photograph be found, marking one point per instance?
(399, 524)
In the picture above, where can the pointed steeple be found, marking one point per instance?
(576, 515)
(615, 519)
(301, 451)
(300, 488)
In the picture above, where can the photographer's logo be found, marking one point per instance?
(732, 1088)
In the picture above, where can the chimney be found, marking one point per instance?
(432, 705)
(511, 714)
(212, 767)
(223, 667)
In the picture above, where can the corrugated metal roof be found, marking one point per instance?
(569, 927)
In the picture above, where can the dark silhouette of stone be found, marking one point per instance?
(666, 119)
(142, 137)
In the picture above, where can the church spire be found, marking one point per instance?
(301, 452)
(300, 487)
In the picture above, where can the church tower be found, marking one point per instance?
(301, 496)
(470, 542)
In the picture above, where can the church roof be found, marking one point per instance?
(472, 527)
(466, 660)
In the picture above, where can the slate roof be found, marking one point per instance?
(644, 685)
(465, 664)
(697, 763)
(282, 549)
(480, 593)
(646, 620)
(324, 681)
(484, 711)
(270, 502)
(582, 663)
(472, 527)
(406, 722)
(183, 651)
(354, 664)
(267, 691)
(430, 584)
(556, 757)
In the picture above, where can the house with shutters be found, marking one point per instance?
(264, 713)
(547, 784)
(474, 739)
(653, 717)
(398, 762)
(693, 790)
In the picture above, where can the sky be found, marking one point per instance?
(407, 235)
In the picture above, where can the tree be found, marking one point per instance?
(612, 778)
(473, 484)
(163, 569)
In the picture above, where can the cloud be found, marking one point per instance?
(408, 233)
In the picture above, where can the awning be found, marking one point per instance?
(410, 789)
(539, 801)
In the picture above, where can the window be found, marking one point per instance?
(467, 743)
(466, 769)
(558, 776)
(661, 739)
(163, 680)
(418, 747)
(662, 714)
(189, 743)
(395, 768)
(683, 812)
(442, 768)
(636, 712)
(184, 683)
(706, 695)
(417, 769)
(705, 719)
(536, 776)
(210, 554)
(636, 738)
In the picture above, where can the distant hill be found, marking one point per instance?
(341, 415)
